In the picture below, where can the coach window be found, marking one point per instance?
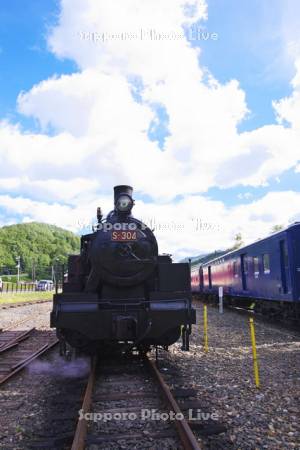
(245, 260)
(266, 263)
(235, 269)
(256, 266)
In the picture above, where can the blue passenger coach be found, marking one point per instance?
(267, 270)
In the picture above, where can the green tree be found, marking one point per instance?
(276, 228)
(37, 244)
(238, 241)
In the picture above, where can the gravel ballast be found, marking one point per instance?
(23, 317)
(265, 418)
(43, 401)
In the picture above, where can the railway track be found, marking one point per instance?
(259, 317)
(16, 324)
(19, 348)
(131, 406)
(17, 305)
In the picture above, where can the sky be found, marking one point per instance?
(194, 103)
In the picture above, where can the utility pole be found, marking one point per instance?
(33, 272)
(18, 258)
(56, 274)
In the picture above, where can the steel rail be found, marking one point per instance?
(15, 340)
(25, 362)
(8, 305)
(81, 429)
(16, 324)
(186, 435)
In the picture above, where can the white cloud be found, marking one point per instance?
(71, 191)
(190, 226)
(203, 148)
(288, 108)
(151, 59)
(246, 195)
(94, 131)
(85, 104)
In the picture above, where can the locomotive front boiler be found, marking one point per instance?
(120, 292)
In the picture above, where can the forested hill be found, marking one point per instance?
(204, 258)
(36, 243)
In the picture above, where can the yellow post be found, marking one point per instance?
(255, 362)
(205, 329)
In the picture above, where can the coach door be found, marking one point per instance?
(209, 277)
(244, 270)
(201, 278)
(284, 263)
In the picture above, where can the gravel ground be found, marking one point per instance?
(27, 316)
(43, 401)
(42, 405)
(35, 400)
(265, 418)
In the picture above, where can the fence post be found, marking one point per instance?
(56, 273)
(221, 299)
(62, 277)
(205, 328)
(254, 354)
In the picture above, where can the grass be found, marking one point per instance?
(14, 278)
(24, 297)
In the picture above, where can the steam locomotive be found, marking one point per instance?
(121, 295)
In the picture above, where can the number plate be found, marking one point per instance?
(123, 236)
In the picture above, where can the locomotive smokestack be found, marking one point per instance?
(122, 189)
(99, 214)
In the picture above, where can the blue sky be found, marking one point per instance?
(25, 59)
(253, 46)
(237, 53)
(248, 49)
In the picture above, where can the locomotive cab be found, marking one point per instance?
(120, 292)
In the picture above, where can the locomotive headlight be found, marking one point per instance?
(124, 203)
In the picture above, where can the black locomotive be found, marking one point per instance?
(120, 294)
